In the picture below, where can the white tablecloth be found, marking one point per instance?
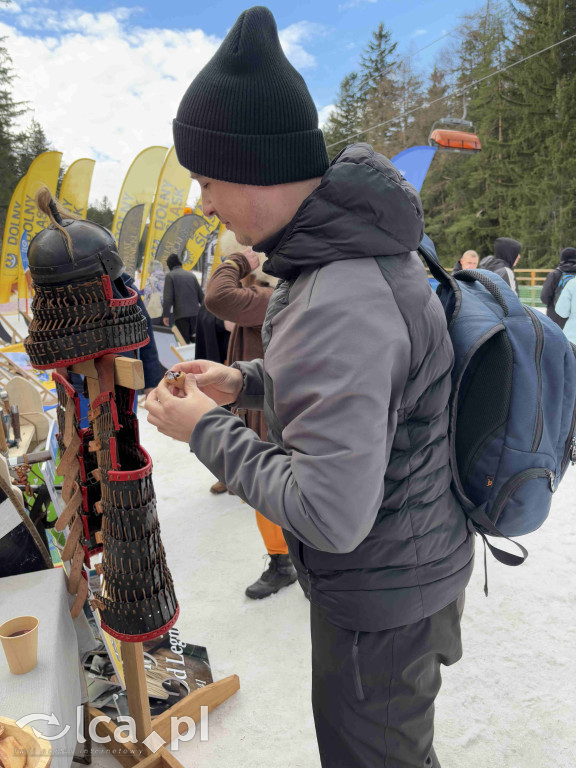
(54, 686)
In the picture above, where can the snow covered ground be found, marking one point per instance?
(510, 702)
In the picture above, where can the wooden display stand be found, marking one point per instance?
(128, 372)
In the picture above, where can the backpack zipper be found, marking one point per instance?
(514, 483)
(539, 426)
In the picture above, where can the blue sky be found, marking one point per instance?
(127, 65)
(338, 29)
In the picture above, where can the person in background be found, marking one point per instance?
(555, 283)
(154, 291)
(566, 308)
(212, 337)
(468, 260)
(506, 256)
(239, 292)
(183, 295)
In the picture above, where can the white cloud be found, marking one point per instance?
(324, 113)
(420, 32)
(292, 39)
(354, 4)
(105, 88)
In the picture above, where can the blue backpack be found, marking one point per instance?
(512, 406)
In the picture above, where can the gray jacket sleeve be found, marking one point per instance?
(252, 394)
(338, 380)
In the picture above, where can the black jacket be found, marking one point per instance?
(549, 289)
(182, 292)
(506, 251)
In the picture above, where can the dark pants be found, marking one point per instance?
(373, 692)
(187, 327)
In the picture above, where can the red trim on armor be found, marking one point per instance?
(65, 383)
(114, 453)
(141, 638)
(81, 434)
(96, 551)
(107, 285)
(85, 504)
(101, 353)
(86, 529)
(70, 391)
(86, 555)
(132, 474)
(103, 397)
(108, 397)
(131, 401)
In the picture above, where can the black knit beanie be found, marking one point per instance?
(568, 254)
(248, 117)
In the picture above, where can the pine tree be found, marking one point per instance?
(541, 92)
(344, 121)
(30, 144)
(10, 110)
(101, 212)
(468, 193)
(406, 131)
(378, 89)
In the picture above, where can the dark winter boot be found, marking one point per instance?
(280, 573)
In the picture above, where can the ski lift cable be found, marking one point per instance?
(459, 92)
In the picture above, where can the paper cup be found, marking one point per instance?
(20, 642)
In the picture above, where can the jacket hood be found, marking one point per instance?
(507, 249)
(567, 266)
(568, 254)
(363, 207)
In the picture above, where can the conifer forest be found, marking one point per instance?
(511, 68)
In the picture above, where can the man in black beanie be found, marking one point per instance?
(555, 282)
(354, 385)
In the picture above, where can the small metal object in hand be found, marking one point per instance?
(175, 378)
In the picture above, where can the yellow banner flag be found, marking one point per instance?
(76, 186)
(197, 243)
(169, 203)
(43, 170)
(218, 250)
(11, 243)
(139, 186)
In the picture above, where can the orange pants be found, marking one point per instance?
(272, 535)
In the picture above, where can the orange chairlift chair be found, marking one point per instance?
(455, 134)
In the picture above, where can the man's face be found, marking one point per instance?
(469, 262)
(249, 212)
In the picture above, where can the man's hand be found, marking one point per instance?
(219, 382)
(176, 413)
(166, 321)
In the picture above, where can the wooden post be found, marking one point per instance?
(128, 372)
(133, 663)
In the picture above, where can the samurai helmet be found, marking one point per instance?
(82, 308)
